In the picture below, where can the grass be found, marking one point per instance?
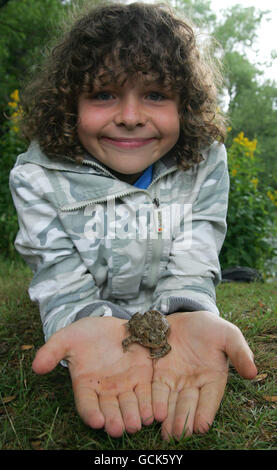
(38, 413)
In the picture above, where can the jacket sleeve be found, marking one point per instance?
(193, 271)
(62, 285)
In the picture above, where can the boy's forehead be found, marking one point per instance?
(120, 77)
(121, 64)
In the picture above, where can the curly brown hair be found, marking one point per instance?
(138, 38)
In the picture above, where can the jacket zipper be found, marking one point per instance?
(83, 204)
(157, 244)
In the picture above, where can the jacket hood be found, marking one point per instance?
(96, 184)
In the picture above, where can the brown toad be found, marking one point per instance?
(151, 330)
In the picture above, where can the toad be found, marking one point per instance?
(151, 330)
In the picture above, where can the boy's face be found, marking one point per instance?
(128, 127)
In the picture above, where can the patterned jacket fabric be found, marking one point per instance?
(99, 246)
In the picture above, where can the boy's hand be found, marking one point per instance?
(111, 388)
(188, 383)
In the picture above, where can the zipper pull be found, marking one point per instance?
(158, 216)
(156, 201)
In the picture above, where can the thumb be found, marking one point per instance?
(50, 354)
(240, 353)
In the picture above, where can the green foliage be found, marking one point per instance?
(25, 28)
(239, 26)
(246, 111)
(11, 145)
(248, 94)
(252, 210)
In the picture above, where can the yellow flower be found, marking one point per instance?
(255, 181)
(15, 95)
(16, 114)
(12, 104)
(234, 172)
(270, 195)
(239, 139)
(249, 145)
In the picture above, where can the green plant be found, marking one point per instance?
(252, 210)
(11, 145)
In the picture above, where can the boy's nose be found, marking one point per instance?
(130, 114)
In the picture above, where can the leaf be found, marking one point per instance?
(270, 398)
(260, 377)
(8, 399)
(26, 347)
(36, 445)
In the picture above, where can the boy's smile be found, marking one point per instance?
(129, 127)
(126, 143)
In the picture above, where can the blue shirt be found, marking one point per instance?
(145, 179)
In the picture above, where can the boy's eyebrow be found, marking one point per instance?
(147, 83)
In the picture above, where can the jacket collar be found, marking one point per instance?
(90, 164)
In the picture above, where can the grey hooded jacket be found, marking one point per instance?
(99, 246)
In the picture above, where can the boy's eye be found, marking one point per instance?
(155, 96)
(103, 96)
